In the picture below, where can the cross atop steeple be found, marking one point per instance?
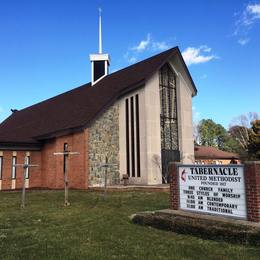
(100, 61)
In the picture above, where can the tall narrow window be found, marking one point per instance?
(65, 159)
(137, 136)
(132, 136)
(169, 121)
(1, 167)
(13, 167)
(27, 173)
(127, 137)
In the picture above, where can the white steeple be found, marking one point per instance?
(100, 61)
(100, 31)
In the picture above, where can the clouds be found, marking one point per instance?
(143, 45)
(146, 45)
(202, 54)
(243, 41)
(191, 55)
(245, 22)
(251, 14)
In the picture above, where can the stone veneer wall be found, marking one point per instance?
(104, 142)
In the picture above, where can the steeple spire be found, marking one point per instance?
(100, 61)
(100, 31)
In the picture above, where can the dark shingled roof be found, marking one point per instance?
(208, 152)
(76, 108)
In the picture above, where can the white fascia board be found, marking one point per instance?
(99, 57)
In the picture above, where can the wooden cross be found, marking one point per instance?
(66, 154)
(26, 165)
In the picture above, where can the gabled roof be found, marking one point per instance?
(76, 108)
(212, 153)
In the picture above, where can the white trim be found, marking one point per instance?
(173, 68)
(187, 85)
(93, 83)
(179, 114)
(14, 171)
(27, 183)
(13, 184)
(27, 169)
(99, 57)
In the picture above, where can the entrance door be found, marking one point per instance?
(167, 157)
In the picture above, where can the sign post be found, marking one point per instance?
(66, 153)
(213, 189)
(26, 165)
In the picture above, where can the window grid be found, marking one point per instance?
(169, 129)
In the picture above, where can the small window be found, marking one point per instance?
(27, 174)
(1, 167)
(13, 167)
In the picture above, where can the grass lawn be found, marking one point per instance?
(94, 228)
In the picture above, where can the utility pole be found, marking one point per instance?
(26, 165)
(66, 154)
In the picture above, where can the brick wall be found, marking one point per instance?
(49, 173)
(52, 166)
(174, 187)
(6, 171)
(252, 179)
(35, 173)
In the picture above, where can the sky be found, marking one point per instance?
(45, 47)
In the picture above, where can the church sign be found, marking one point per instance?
(213, 189)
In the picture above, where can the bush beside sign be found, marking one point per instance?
(213, 189)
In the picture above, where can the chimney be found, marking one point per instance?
(100, 61)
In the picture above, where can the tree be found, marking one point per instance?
(207, 132)
(213, 134)
(254, 140)
(241, 134)
(240, 130)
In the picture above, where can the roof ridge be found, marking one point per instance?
(79, 106)
(89, 83)
(145, 60)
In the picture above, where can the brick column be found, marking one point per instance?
(252, 181)
(174, 187)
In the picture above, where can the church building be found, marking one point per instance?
(137, 119)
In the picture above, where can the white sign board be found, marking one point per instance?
(213, 189)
